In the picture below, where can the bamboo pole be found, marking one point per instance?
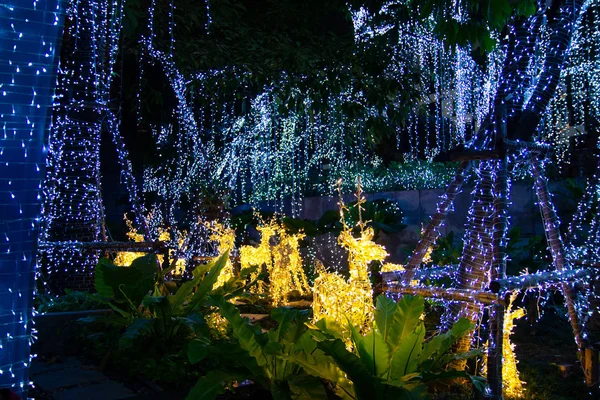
(555, 243)
(462, 295)
(473, 272)
(432, 230)
(498, 267)
(432, 272)
(547, 278)
(122, 246)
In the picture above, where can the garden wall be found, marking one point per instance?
(418, 205)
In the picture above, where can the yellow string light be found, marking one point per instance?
(125, 258)
(287, 273)
(352, 300)
(225, 237)
(259, 256)
(341, 300)
(282, 262)
(389, 267)
(512, 385)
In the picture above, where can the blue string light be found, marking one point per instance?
(29, 40)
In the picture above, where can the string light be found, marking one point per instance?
(349, 301)
(30, 40)
(72, 204)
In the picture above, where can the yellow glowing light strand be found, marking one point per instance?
(225, 237)
(341, 300)
(282, 262)
(389, 267)
(353, 300)
(512, 385)
(125, 258)
(259, 256)
(287, 273)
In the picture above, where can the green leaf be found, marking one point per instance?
(198, 349)
(316, 363)
(280, 390)
(305, 387)
(126, 284)
(365, 384)
(211, 385)
(101, 284)
(410, 309)
(387, 319)
(434, 351)
(209, 281)
(136, 329)
(405, 360)
(185, 290)
(273, 348)
(372, 350)
(290, 324)
(202, 269)
(196, 323)
(329, 326)
(245, 335)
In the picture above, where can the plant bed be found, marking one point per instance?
(59, 333)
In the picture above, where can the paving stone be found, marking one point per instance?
(41, 367)
(64, 378)
(101, 391)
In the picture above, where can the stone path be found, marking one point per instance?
(71, 380)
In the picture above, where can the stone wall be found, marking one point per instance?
(418, 205)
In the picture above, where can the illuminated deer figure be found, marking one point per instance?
(351, 300)
(225, 237)
(251, 256)
(287, 273)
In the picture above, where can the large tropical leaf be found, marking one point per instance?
(435, 352)
(280, 390)
(365, 384)
(247, 337)
(305, 387)
(410, 309)
(178, 299)
(406, 358)
(126, 284)
(196, 322)
(227, 353)
(372, 350)
(316, 363)
(290, 324)
(328, 325)
(388, 321)
(212, 384)
(139, 327)
(198, 349)
(206, 285)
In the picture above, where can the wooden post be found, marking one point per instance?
(494, 361)
(590, 367)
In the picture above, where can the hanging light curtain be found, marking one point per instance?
(30, 34)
